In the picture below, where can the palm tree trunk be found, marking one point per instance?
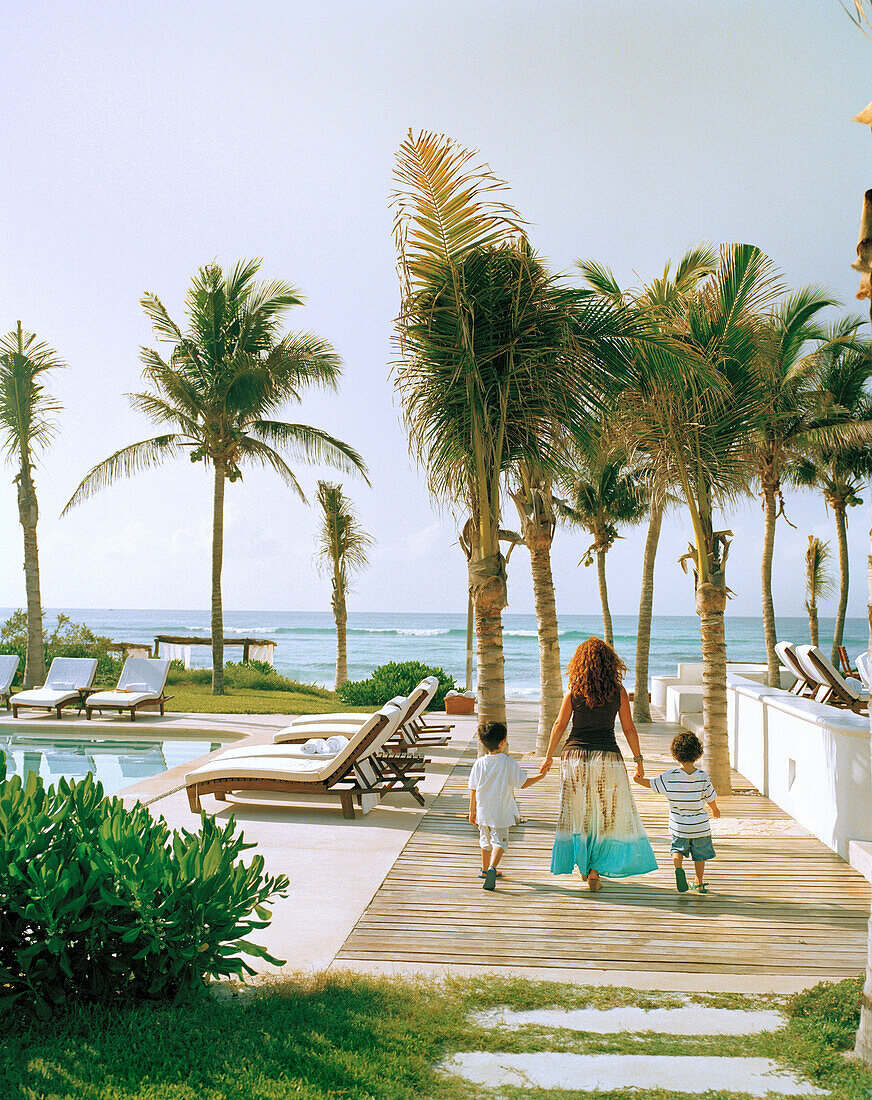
(550, 676)
(470, 644)
(217, 562)
(604, 597)
(489, 597)
(28, 514)
(812, 625)
(769, 635)
(641, 709)
(341, 616)
(711, 600)
(842, 534)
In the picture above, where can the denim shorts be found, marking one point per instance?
(699, 848)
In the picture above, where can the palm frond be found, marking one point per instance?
(26, 409)
(342, 542)
(253, 449)
(312, 445)
(124, 463)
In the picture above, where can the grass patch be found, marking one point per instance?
(198, 699)
(345, 1036)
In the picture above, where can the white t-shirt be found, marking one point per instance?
(687, 794)
(493, 778)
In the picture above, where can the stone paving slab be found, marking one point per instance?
(692, 1020)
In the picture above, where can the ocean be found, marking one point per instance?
(306, 642)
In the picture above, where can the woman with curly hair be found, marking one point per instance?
(598, 828)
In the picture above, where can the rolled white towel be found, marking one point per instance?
(135, 687)
(315, 746)
(335, 744)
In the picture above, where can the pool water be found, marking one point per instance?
(116, 764)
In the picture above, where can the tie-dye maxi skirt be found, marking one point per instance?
(598, 828)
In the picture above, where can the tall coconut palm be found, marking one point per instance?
(342, 549)
(498, 358)
(662, 299)
(26, 426)
(223, 378)
(532, 494)
(818, 581)
(835, 461)
(697, 434)
(791, 410)
(603, 494)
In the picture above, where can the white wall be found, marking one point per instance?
(810, 759)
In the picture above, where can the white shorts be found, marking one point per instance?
(489, 837)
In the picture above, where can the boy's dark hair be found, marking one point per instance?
(686, 747)
(491, 734)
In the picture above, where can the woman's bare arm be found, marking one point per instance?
(560, 724)
(630, 733)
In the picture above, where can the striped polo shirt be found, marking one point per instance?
(688, 795)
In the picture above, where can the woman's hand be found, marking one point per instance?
(546, 765)
(472, 817)
(640, 771)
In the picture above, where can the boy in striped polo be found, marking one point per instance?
(688, 789)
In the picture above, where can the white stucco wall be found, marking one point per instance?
(812, 760)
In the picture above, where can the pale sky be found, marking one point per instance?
(142, 140)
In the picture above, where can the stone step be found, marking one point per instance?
(690, 1020)
(590, 1072)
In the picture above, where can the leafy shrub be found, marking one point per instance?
(68, 639)
(831, 1010)
(98, 902)
(259, 675)
(394, 679)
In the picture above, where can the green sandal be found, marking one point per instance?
(700, 888)
(681, 880)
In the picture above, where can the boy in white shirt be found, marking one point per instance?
(688, 789)
(492, 803)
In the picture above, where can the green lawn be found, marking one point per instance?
(198, 698)
(345, 1036)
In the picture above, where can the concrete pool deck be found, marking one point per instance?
(396, 891)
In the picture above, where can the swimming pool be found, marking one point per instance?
(115, 763)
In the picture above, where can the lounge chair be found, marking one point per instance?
(360, 772)
(839, 691)
(9, 663)
(845, 662)
(406, 736)
(803, 686)
(68, 678)
(141, 684)
(863, 670)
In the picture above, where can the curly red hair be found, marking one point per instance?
(595, 672)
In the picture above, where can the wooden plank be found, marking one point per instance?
(779, 904)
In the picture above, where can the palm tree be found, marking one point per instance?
(498, 359)
(26, 426)
(223, 378)
(792, 409)
(533, 497)
(603, 493)
(696, 435)
(342, 549)
(837, 461)
(662, 298)
(818, 581)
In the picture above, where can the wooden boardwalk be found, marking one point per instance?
(781, 903)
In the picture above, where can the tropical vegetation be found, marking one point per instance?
(342, 550)
(818, 581)
(26, 427)
(392, 679)
(224, 378)
(67, 639)
(99, 903)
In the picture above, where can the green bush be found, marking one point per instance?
(68, 639)
(259, 675)
(394, 679)
(99, 903)
(831, 1010)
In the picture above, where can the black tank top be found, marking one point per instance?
(594, 727)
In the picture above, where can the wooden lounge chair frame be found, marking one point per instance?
(836, 696)
(803, 687)
(132, 707)
(350, 773)
(845, 662)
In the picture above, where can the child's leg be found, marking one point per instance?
(677, 859)
(699, 868)
(496, 856)
(499, 843)
(679, 850)
(485, 858)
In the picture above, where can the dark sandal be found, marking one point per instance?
(681, 880)
(490, 879)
